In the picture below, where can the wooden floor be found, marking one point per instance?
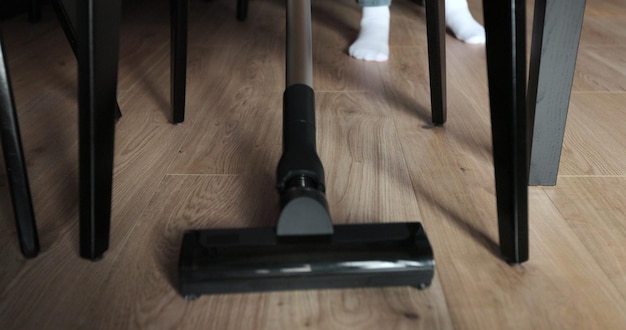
(384, 161)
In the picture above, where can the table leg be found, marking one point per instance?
(557, 25)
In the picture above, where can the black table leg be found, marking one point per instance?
(179, 12)
(97, 49)
(15, 165)
(436, 30)
(505, 26)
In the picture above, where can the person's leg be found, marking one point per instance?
(460, 21)
(373, 41)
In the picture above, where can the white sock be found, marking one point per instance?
(373, 41)
(460, 21)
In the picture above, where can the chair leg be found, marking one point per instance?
(179, 12)
(16, 166)
(242, 10)
(34, 11)
(505, 26)
(70, 35)
(436, 30)
(98, 51)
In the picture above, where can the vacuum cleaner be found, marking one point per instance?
(304, 250)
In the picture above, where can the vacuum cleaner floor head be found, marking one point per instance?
(255, 259)
(305, 250)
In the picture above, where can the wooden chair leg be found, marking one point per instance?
(505, 26)
(242, 9)
(34, 11)
(179, 12)
(98, 50)
(436, 30)
(70, 35)
(16, 166)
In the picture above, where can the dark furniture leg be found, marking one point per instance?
(70, 35)
(436, 30)
(179, 12)
(15, 165)
(242, 9)
(34, 11)
(97, 50)
(557, 25)
(506, 67)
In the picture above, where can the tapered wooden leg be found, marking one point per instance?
(34, 11)
(70, 35)
(505, 25)
(436, 30)
(97, 49)
(242, 9)
(179, 12)
(15, 165)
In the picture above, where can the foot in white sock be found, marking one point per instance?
(460, 21)
(373, 41)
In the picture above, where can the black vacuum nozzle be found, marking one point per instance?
(252, 260)
(304, 250)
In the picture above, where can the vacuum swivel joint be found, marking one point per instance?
(300, 174)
